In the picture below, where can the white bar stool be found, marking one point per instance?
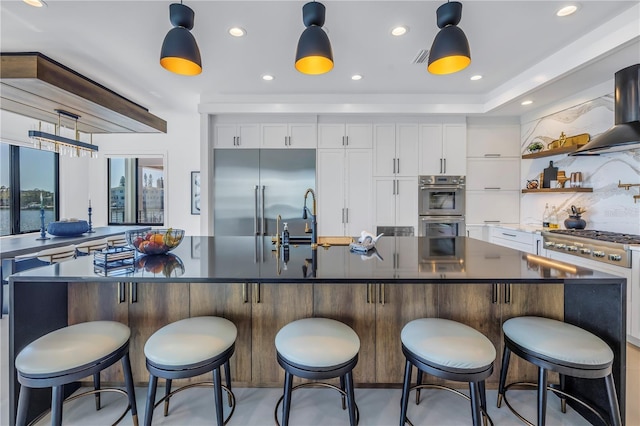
(556, 346)
(69, 354)
(189, 348)
(317, 349)
(449, 350)
(89, 247)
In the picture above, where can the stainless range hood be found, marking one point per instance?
(625, 134)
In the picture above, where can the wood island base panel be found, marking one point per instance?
(261, 288)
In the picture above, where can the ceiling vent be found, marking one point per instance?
(421, 57)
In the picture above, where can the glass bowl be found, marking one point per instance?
(154, 241)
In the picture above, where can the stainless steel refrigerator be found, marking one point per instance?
(253, 186)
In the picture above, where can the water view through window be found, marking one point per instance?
(136, 191)
(28, 183)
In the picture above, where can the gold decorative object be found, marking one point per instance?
(564, 141)
(627, 186)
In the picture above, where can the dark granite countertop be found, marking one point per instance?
(396, 259)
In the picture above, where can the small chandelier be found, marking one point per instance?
(60, 144)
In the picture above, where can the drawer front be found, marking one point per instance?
(493, 174)
(492, 207)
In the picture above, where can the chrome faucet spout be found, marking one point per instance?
(314, 222)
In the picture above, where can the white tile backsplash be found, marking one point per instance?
(609, 208)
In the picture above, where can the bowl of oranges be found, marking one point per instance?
(154, 241)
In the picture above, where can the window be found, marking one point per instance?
(136, 191)
(28, 182)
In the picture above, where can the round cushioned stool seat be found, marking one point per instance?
(72, 347)
(559, 341)
(448, 344)
(190, 341)
(317, 342)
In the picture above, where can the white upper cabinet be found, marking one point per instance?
(395, 149)
(494, 141)
(289, 135)
(443, 149)
(493, 174)
(349, 135)
(232, 135)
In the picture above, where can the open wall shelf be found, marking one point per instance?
(533, 191)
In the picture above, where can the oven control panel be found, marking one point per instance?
(614, 254)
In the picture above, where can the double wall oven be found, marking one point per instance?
(441, 206)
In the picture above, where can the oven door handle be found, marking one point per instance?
(425, 187)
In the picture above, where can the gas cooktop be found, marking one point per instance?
(612, 237)
(602, 246)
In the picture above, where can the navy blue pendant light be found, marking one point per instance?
(180, 53)
(450, 50)
(314, 54)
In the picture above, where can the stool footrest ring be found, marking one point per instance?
(230, 396)
(94, 392)
(319, 385)
(551, 388)
(454, 391)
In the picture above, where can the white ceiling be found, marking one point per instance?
(522, 49)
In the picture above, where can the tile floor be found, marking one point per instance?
(379, 407)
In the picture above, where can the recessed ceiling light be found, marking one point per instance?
(267, 77)
(35, 3)
(237, 31)
(400, 30)
(356, 77)
(476, 77)
(527, 102)
(567, 10)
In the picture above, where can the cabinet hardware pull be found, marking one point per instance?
(368, 293)
(256, 289)
(509, 235)
(346, 210)
(133, 293)
(507, 293)
(445, 166)
(394, 166)
(398, 168)
(494, 188)
(122, 292)
(238, 139)
(491, 221)
(343, 215)
(397, 187)
(245, 295)
(441, 166)
(347, 139)
(493, 155)
(494, 293)
(381, 294)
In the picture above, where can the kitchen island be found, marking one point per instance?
(261, 287)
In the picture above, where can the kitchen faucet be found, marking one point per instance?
(314, 222)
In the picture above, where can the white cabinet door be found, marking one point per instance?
(407, 203)
(492, 207)
(359, 191)
(331, 136)
(225, 135)
(248, 136)
(476, 231)
(494, 141)
(275, 135)
(454, 149)
(302, 135)
(331, 181)
(359, 135)
(384, 149)
(295, 135)
(493, 174)
(430, 149)
(407, 151)
(384, 201)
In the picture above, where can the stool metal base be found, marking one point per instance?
(94, 392)
(551, 388)
(230, 397)
(486, 417)
(343, 395)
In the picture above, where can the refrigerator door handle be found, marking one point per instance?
(263, 231)
(255, 211)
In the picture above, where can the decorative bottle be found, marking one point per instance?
(546, 216)
(553, 221)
